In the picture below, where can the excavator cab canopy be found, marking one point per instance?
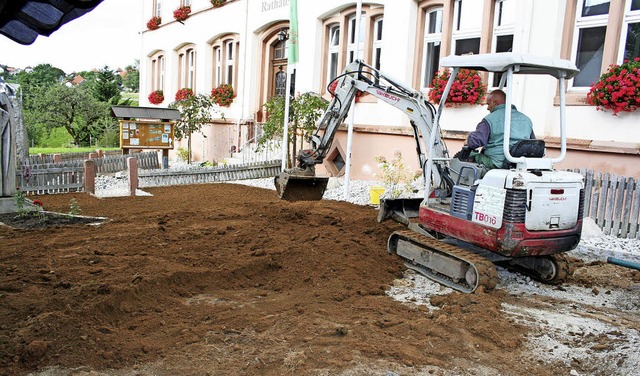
(522, 63)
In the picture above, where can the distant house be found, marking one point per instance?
(76, 80)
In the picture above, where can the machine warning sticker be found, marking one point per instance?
(488, 205)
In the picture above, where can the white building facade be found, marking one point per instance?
(243, 43)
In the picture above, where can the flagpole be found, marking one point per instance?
(347, 170)
(292, 59)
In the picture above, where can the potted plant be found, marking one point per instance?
(183, 94)
(182, 13)
(618, 89)
(156, 97)
(217, 3)
(154, 23)
(466, 88)
(223, 95)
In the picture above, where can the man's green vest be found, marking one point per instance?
(521, 128)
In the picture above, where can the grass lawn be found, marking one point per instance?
(66, 150)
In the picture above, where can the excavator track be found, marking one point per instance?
(444, 263)
(552, 269)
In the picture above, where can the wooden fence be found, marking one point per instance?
(68, 176)
(613, 202)
(255, 170)
(51, 180)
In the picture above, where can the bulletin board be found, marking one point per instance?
(146, 135)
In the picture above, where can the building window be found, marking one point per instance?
(604, 33)
(630, 47)
(353, 51)
(431, 45)
(186, 3)
(334, 51)
(467, 27)
(187, 68)
(157, 8)
(158, 62)
(225, 60)
(341, 49)
(377, 42)
(503, 29)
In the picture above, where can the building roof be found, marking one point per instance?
(500, 62)
(153, 113)
(24, 20)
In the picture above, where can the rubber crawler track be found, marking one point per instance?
(487, 274)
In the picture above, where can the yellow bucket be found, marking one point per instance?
(374, 194)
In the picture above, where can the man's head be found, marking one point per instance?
(495, 98)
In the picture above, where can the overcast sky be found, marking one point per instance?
(108, 35)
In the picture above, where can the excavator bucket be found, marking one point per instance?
(292, 187)
(401, 210)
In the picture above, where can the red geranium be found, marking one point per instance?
(217, 3)
(156, 97)
(466, 88)
(184, 94)
(38, 202)
(154, 23)
(223, 95)
(182, 13)
(618, 89)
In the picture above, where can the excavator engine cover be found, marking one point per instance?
(293, 187)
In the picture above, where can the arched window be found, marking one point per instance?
(225, 60)
(186, 57)
(158, 65)
(340, 47)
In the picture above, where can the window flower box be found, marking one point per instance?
(223, 95)
(182, 13)
(183, 94)
(156, 97)
(217, 3)
(466, 88)
(618, 89)
(154, 23)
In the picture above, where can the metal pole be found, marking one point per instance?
(347, 170)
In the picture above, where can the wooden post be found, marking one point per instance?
(57, 158)
(89, 171)
(165, 158)
(132, 167)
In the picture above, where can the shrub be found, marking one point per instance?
(396, 177)
(618, 89)
(466, 88)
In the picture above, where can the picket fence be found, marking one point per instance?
(613, 202)
(68, 176)
(254, 170)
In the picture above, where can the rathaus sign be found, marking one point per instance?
(274, 4)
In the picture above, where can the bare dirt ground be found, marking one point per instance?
(224, 279)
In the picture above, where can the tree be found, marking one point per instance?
(73, 108)
(36, 80)
(195, 111)
(105, 88)
(304, 112)
(131, 79)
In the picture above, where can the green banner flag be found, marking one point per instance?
(293, 31)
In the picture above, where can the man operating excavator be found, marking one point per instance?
(489, 133)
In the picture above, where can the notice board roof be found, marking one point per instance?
(152, 113)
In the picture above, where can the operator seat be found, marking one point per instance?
(531, 148)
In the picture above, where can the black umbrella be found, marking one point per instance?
(24, 20)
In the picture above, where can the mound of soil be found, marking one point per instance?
(227, 279)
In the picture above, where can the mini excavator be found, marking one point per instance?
(523, 216)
